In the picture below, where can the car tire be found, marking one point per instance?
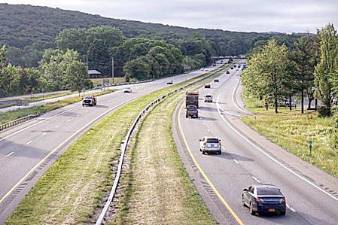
(203, 152)
(219, 152)
(243, 202)
(252, 212)
(282, 213)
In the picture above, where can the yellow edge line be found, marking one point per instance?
(227, 206)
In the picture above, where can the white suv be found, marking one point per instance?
(210, 144)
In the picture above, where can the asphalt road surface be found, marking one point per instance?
(27, 150)
(248, 158)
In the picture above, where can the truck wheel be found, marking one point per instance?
(219, 152)
(203, 152)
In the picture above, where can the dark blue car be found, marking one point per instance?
(264, 198)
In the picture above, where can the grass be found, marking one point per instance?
(157, 188)
(293, 131)
(6, 117)
(74, 186)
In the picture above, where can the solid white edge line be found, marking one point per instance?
(269, 156)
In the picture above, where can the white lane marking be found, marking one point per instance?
(29, 142)
(289, 207)
(233, 98)
(256, 179)
(55, 149)
(44, 133)
(41, 121)
(271, 157)
(9, 154)
(236, 161)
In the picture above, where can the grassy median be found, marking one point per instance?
(74, 186)
(159, 190)
(294, 132)
(16, 114)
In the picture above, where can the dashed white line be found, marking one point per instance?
(236, 161)
(256, 179)
(9, 154)
(289, 207)
(271, 157)
(29, 142)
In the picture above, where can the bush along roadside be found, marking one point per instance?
(73, 187)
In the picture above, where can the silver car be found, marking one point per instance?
(210, 145)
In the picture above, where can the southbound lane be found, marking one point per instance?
(28, 149)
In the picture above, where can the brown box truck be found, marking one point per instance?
(191, 98)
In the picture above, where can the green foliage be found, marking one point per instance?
(27, 27)
(63, 70)
(95, 44)
(266, 76)
(325, 71)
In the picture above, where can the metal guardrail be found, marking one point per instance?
(124, 145)
(17, 121)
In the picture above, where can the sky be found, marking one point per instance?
(236, 15)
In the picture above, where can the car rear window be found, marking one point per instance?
(268, 191)
(212, 140)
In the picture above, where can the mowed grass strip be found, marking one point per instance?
(16, 114)
(74, 186)
(159, 190)
(293, 131)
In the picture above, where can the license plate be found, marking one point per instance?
(271, 210)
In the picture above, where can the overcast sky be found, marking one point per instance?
(237, 15)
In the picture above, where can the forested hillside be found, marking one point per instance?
(28, 30)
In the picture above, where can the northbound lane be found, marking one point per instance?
(248, 158)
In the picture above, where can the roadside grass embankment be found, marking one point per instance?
(158, 189)
(6, 117)
(72, 189)
(294, 132)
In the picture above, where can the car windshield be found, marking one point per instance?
(268, 191)
(212, 140)
(88, 98)
(208, 96)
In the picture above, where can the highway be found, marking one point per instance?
(248, 158)
(27, 150)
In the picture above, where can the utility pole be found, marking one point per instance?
(112, 69)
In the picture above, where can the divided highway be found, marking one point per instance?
(248, 158)
(27, 150)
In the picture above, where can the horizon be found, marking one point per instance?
(190, 17)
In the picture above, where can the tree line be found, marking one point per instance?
(28, 30)
(58, 70)
(309, 68)
(80, 49)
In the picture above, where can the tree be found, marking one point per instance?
(303, 58)
(266, 75)
(325, 70)
(76, 76)
(63, 70)
(138, 68)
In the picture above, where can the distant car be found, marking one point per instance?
(191, 111)
(210, 145)
(170, 82)
(208, 98)
(232, 68)
(127, 90)
(89, 101)
(207, 86)
(216, 80)
(264, 198)
(228, 72)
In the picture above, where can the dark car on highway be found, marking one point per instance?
(207, 86)
(89, 100)
(264, 198)
(216, 80)
(228, 72)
